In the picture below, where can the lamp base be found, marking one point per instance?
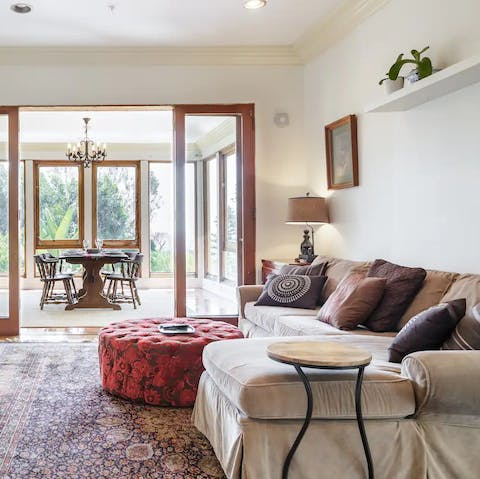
(308, 258)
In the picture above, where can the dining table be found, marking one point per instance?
(91, 294)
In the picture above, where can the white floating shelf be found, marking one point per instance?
(442, 83)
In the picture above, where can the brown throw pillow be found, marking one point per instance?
(467, 332)
(352, 301)
(427, 330)
(402, 285)
(292, 291)
(306, 270)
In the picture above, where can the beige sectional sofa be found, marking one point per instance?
(422, 417)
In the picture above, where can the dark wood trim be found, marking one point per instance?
(10, 326)
(109, 243)
(346, 120)
(60, 244)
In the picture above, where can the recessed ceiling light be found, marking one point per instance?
(254, 4)
(21, 8)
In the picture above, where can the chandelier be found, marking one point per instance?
(86, 150)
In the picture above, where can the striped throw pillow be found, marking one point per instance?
(466, 335)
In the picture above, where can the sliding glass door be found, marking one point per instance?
(9, 222)
(214, 144)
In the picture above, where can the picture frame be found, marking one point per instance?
(342, 153)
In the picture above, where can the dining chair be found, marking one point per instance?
(127, 277)
(49, 276)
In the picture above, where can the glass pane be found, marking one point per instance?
(211, 232)
(230, 222)
(211, 191)
(21, 217)
(58, 202)
(4, 250)
(116, 202)
(161, 218)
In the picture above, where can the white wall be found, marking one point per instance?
(418, 199)
(279, 158)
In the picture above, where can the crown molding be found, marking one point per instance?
(147, 56)
(324, 34)
(335, 26)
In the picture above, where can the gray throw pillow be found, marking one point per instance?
(427, 330)
(292, 291)
(317, 269)
(467, 332)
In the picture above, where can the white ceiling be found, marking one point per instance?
(109, 126)
(159, 23)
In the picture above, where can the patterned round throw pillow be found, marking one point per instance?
(293, 291)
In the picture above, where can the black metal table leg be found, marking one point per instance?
(361, 426)
(308, 417)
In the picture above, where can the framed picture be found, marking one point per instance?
(342, 153)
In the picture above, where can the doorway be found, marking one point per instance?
(209, 218)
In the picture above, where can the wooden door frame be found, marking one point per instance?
(11, 326)
(246, 198)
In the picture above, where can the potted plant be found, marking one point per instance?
(423, 69)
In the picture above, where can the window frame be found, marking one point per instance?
(137, 242)
(58, 244)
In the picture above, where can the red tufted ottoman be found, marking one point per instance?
(139, 363)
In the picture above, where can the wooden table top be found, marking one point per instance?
(319, 354)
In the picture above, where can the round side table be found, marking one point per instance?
(323, 355)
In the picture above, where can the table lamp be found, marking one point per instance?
(307, 210)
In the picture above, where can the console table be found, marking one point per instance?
(323, 355)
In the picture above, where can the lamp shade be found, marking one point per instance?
(307, 209)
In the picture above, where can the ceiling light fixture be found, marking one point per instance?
(86, 151)
(254, 4)
(21, 8)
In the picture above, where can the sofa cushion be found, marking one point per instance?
(265, 316)
(434, 287)
(467, 332)
(294, 291)
(403, 283)
(265, 389)
(352, 302)
(308, 326)
(337, 270)
(427, 330)
(466, 286)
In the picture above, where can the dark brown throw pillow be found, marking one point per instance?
(306, 270)
(427, 330)
(402, 285)
(292, 291)
(352, 301)
(467, 333)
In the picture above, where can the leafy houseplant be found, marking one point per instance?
(423, 67)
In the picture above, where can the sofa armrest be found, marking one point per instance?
(446, 383)
(246, 294)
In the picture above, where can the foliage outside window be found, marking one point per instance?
(59, 208)
(116, 204)
(161, 218)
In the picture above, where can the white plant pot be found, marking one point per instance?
(393, 85)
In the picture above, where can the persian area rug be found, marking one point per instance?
(56, 422)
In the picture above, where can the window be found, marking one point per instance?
(161, 218)
(211, 217)
(58, 205)
(116, 215)
(229, 216)
(4, 218)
